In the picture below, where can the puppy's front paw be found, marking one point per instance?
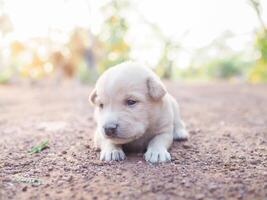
(112, 154)
(155, 155)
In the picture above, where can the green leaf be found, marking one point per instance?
(38, 148)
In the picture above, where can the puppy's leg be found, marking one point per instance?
(97, 141)
(157, 150)
(179, 131)
(111, 151)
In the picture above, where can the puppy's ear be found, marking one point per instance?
(156, 89)
(92, 97)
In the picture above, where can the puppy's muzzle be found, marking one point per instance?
(110, 129)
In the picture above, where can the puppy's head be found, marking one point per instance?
(125, 97)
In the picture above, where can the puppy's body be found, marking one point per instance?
(133, 101)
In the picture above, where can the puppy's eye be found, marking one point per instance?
(130, 102)
(101, 105)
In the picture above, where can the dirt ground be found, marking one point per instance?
(225, 158)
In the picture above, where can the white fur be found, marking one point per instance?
(151, 124)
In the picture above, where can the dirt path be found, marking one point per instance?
(226, 157)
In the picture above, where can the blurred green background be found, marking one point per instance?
(77, 40)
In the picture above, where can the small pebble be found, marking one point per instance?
(24, 189)
(64, 152)
(186, 146)
(212, 187)
(255, 162)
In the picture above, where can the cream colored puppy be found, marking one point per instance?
(135, 112)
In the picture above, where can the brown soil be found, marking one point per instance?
(225, 158)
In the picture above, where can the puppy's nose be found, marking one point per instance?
(110, 129)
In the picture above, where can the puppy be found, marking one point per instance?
(135, 112)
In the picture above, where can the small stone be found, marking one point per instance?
(24, 189)
(69, 179)
(263, 142)
(60, 183)
(64, 152)
(227, 134)
(84, 166)
(251, 190)
(98, 163)
(186, 146)
(255, 162)
(233, 157)
(212, 187)
(242, 157)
